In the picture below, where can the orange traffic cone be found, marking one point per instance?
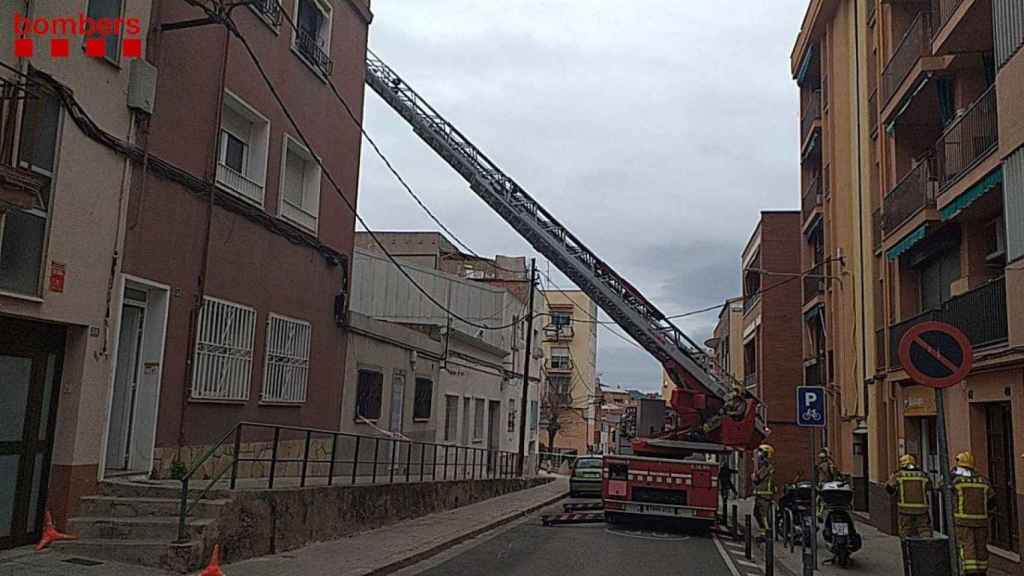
(50, 533)
(213, 568)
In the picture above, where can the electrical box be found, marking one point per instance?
(141, 86)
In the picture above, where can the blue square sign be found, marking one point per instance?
(810, 406)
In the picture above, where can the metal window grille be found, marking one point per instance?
(368, 394)
(287, 360)
(423, 397)
(223, 354)
(478, 419)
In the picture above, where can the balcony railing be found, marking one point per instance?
(239, 183)
(980, 314)
(558, 332)
(814, 283)
(311, 48)
(811, 198)
(880, 349)
(558, 364)
(915, 44)
(914, 193)
(968, 140)
(812, 113)
(750, 381)
(876, 229)
(270, 10)
(873, 110)
(814, 372)
(751, 301)
(943, 11)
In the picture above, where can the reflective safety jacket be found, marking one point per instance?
(764, 482)
(911, 487)
(971, 498)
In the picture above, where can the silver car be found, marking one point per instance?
(586, 477)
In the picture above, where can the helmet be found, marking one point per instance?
(965, 460)
(907, 460)
(824, 453)
(767, 450)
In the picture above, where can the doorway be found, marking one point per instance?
(135, 392)
(1003, 518)
(30, 369)
(493, 427)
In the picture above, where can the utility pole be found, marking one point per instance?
(524, 403)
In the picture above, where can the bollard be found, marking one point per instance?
(735, 521)
(769, 547)
(749, 539)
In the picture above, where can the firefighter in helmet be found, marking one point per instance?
(972, 498)
(764, 485)
(827, 471)
(911, 486)
(735, 407)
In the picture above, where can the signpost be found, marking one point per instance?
(811, 413)
(938, 355)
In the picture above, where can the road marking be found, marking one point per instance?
(750, 564)
(726, 557)
(736, 545)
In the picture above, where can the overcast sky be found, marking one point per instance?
(656, 130)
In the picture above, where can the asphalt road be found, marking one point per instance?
(527, 548)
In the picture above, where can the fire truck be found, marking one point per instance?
(671, 473)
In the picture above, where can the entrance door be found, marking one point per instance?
(1003, 518)
(126, 385)
(494, 430)
(30, 365)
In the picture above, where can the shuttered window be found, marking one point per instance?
(287, 360)
(1007, 29)
(222, 366)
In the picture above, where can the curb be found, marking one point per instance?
(438, 548)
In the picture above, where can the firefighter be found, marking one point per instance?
(735, 407)
(911, 487)
(972, 497)
(764, 486)
(827, 471)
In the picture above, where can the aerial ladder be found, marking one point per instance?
(701, 390)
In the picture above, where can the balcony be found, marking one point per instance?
(980, 314)
(269, 10)
(968, 140)
(812, 115)
(880, 350)
(943, 11)
(558, 364)
(814, 373)
(559, 332)
(914, 193)
(915, 44)
(751, 301)
(811, 198)
(814, 283)
(876, 229)
(310, 46)
(750, 381)
(873, 110)
(229, 178)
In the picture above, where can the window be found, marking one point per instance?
(312, 40)
(268, 10)
(451, 417)
(534, 413)
(560, 385)
(23, 227)
(108, 10)
(560, 359)
(936, 276)
(368, 394)
(300, 185)
(287, 362)
(223, 354)
(560, 319)
(242, 150)
(423, 398)
(478, 420)
(466, 405)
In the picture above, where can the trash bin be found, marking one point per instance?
(926, 557)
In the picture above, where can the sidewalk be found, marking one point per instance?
(376, 552)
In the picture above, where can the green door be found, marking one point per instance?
(30, 365)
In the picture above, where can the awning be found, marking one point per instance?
(805, 65)
(990, 181)
(907, 243)
(813, 313)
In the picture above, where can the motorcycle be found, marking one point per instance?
(838, 527)
(794, 506)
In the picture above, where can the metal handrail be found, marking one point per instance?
(904, 56)
(486, 463)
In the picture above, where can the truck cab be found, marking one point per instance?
(684, 490)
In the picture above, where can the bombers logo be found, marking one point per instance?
(57, 32)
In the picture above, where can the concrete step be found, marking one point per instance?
(153, 553)
(156, 489)
(135, 529)
(122, 507)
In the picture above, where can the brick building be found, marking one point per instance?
(771, 335)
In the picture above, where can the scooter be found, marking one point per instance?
(838, 527)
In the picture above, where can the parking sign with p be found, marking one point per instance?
(810, 406)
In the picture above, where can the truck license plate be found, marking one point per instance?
(660, 510)
(841, 529)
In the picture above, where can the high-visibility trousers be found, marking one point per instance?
(915, 526)
(973, 545)
(762, 505)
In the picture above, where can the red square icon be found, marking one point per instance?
(23, 48)
(59, 47)
(96, 47)
(132, 48)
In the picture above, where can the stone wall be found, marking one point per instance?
(264, 522)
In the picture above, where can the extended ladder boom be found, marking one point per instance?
(682, 358)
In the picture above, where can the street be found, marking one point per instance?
(526, 548)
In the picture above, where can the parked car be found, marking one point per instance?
(586, 477)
